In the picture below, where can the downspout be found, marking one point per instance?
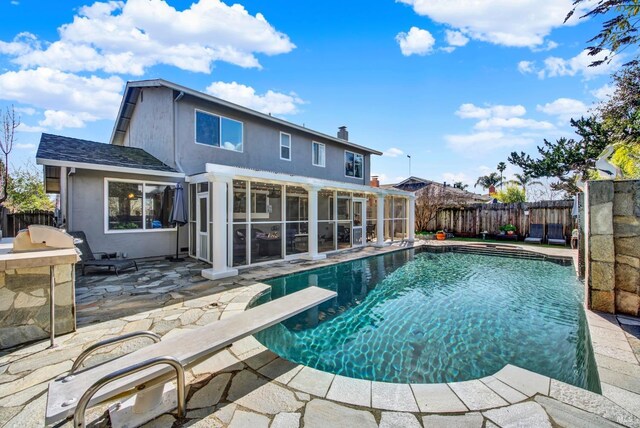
(69, 204)
(175, 131)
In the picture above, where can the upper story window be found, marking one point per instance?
(285, 146)
(353, 164)
(218, 131)
(317, 154)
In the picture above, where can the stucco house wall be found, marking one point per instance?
(152, 129)
(87, 210)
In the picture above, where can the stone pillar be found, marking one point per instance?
(313, 225)
(412, 218)
(380, 222)
(626, 233)
(600, 253)
(218, 203)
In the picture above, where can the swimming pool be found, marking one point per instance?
(414, 316)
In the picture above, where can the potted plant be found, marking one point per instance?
(440, 235)
(509, 229)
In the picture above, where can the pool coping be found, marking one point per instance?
(507, 386)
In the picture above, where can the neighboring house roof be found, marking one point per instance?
(415, 184)
(56, 150)
(133, 88)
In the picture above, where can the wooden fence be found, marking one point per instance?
(18, 221)
(472, 220)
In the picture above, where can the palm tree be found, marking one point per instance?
(501, 167)
(524, 180)
(460, 185)
(486, 181)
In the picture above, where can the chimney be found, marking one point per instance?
(374, 181)
(343, 134)
(492, 189)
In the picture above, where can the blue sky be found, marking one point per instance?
(456, 84)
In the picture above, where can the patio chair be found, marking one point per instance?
(88, 258)
(536, 234)
(555, 234)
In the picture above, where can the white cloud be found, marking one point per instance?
(86, 98)
(393, 152)
(526, 67)
(482, 142)
(604, 93)
(128, 37)
(25, 146)
(523, 23)
(416, 41)
(57, 119)
(454, 177)
(513, 122)
(28, 128)
(564, 109)
(29, 111)
(551, 45)
(456, 38)
(271, 102)
(580, 64)
(471, 111)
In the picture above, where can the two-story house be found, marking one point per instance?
(259, 188)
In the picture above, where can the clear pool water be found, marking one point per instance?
(419, 317)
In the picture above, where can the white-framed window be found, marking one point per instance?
(218, 131)
(353, 164)
(317, 154)
(285, 146)
(137, 206)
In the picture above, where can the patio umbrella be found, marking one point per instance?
(178, 217)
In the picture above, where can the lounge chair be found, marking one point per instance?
(147, 369)
(536, 234)
(88, 258)
(555, 234)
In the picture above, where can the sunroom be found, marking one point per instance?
(241, 217)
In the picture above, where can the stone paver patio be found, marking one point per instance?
(246, 385)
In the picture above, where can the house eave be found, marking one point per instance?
(108, 168)
(268, 176)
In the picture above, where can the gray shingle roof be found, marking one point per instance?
(74, 150)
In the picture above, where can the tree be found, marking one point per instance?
(26, 191)
(501, 167)
(460, 185)
(617, 33)
(9, 124)
(524, 180)
(486, 181)
(567, 157)
(511, 195)
(431, 199)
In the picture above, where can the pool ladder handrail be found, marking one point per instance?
(79, 414)
(87, 352)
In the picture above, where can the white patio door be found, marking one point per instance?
(202, 225)
(359, 220)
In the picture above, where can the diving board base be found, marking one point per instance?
(144, 406)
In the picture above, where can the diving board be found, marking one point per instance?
(187, 348)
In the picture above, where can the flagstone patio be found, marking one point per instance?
(249, 386)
